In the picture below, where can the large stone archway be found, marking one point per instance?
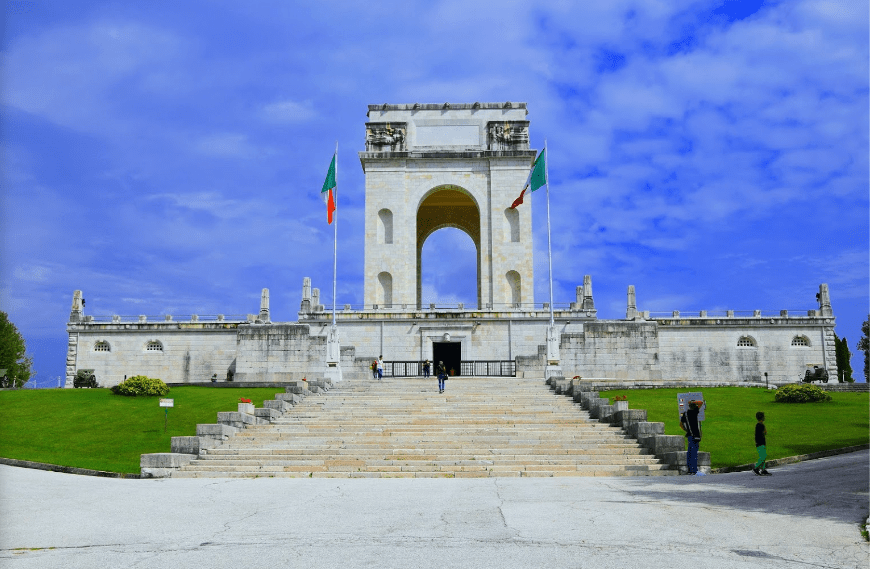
(433, 166)
(447, 206)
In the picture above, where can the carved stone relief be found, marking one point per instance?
(385, 137)
(508, 135)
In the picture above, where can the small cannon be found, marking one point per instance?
(816, 374)
(85, 378)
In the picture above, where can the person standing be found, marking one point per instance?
(761, 446)
(375, 369)
(426, 367)
(689, 423)
(441, 372)
(380, 367)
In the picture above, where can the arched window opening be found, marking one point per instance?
(515, 287)
(385, 226)
(801, 341)
(512, 225)
(385, 281)
(746, 342)
(102, 346)
(154, 346)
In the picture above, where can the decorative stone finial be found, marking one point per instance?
(78, 307)
(588, 303)
(264, 307)
(631, 309)
(824, 298)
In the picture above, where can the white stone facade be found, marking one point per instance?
(433, 166)
(453, 166)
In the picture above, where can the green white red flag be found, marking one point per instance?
(537, 177)
(328, 191)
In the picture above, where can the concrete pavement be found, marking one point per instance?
(806, 515)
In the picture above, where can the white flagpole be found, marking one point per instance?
(549, 246)
(335, 237)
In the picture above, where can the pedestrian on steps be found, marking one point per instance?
(441, 372)
(380, 367)
(426, 367)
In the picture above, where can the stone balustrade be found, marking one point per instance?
(209, 436)
(670, 449)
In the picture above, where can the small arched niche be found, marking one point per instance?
(511, 225)
(385, 284)
(515, 287)
(385, 226)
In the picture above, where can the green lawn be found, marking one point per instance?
(93, 428)
(729, 428)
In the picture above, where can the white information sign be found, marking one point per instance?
(167, 402)
(683, 402)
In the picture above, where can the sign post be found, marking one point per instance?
(166, 404)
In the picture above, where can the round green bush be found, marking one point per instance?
(141, 385)
(800, 393)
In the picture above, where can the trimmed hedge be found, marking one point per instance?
(141, 385)
(800, 393)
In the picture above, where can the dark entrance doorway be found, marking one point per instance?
(450, 353)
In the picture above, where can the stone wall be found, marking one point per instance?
(189, 352)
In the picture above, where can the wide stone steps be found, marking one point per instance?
(404, 428)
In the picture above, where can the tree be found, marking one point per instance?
(864, 346)
(844, 366)
(13, 355)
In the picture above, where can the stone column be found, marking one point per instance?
(315, 300)
(631, 309)
(553, 368)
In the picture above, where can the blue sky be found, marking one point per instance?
(166, 157)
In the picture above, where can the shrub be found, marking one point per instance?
(141, 385)
(800, 393)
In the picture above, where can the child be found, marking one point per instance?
(761, 446)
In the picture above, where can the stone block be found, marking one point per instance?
(235, 419)
(627, 417)
(643, 430)
(247, 408)
(279, 405)
(662, 444)
(185, 445)
(162, 465)
(604, 413)
(267, 413)
(678, 460)
(291, 398)
(299, 390)
(215, 430)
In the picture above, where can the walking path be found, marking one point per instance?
(806, 515)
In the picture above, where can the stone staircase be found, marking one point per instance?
(479, 427)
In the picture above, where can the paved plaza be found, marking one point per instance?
(806, 515)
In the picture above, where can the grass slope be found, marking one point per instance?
(729, 428)
(93, 428)
(96, 429)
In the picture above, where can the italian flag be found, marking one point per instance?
(537, 177)
(328, 191)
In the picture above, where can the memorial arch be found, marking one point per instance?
(433, 166)
(447, 206)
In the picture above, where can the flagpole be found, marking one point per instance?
(335, 237)
(549, 246)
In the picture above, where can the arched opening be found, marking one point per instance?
(512, 226)
(385, 226)
(442, 207)
(449, 278)
(513, 281)
(385, 296)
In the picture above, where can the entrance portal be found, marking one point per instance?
(450, 353)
